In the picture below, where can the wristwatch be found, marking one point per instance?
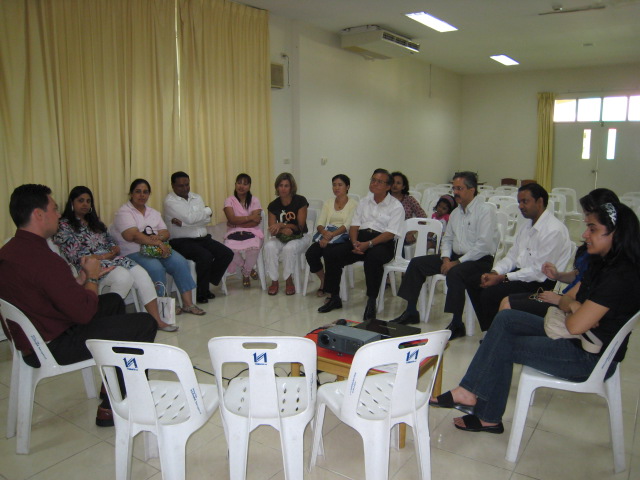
(92, 280)
(370, 243)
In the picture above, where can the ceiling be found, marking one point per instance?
(608, 36)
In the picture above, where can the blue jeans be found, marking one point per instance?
(519, 337)
(176, 265)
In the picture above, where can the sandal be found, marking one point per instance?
(178, 310)
(246, 282)
(473, 424)
(253, 274)
(193, 310)
(320, 293)
(273, 289)
(290, 289)
(446, 401)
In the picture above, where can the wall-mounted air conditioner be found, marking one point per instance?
(374, 42)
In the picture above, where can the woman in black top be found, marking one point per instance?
(603, 302)
(288, 227)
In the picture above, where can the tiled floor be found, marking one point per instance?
(567, 435)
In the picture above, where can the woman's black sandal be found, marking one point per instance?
(473, 424)
(446, 401)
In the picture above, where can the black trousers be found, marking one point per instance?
(491, 297)
(341, 255)
(109, 323)
(464, 276)
(211, 258)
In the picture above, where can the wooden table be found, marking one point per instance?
(339, 364)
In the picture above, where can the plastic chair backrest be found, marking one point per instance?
(315, 203)
(505, 190)
(403, 356)
(422, 186)
(423, 226)
(559, 205)
(312, 216)
(571, 197)
(134, 359)
(416, 194)
(261, 354)
(48, 365)
(600, 370)
(354, 196)
(501, 201)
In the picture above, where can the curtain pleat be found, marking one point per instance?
(544, 157)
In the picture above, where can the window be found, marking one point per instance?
(598, 109)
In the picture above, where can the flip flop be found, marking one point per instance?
(290, 290)
(273, 289)
(193, 310)
(472, 424)
(446, 401)
(254, 274)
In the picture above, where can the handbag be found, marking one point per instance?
(153, 251)
(287, 238)
(332, 228)
(241, 235)
(555, 327)
(166, 306)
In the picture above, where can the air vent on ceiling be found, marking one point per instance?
(374, 42)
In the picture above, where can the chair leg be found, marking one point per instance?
(26, 393)
(469, 320)
(422, 442)
(12, 414)
(613, 393)
(89, 382)
(292, 443)
(432, 290)
(376, 453)
(318, 445)
(519, 418)
(124, 451)
(172, 456)
(344, 289)
(381, 291)
(238, 443)
(260, 270)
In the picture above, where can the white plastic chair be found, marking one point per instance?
(486, 190)
(571, 202)
(374, 404)
(559, 205)
(422, 186)
(285, 403)
(502, 201)
(532, 379)
(315, 203)
(416, 194)
(423, 226)
(171, 410)
(301, 268)
(25, 379)
(354, 196)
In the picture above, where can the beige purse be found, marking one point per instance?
(555, 327)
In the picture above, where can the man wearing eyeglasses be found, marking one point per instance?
(467, 249)
(378, 218)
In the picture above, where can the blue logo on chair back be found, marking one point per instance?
(412, 356)
(130, 364)
(260, 358)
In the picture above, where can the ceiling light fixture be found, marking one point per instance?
(431, 22)
(503, 59)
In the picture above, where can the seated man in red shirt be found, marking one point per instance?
(66, 311)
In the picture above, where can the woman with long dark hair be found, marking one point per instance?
(244, 232)
(605, 299)
(81, 233)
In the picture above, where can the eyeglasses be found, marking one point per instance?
(378, 181)
(458, 189)
(536, 296)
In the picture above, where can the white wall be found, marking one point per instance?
(499, 115)
(360, 115)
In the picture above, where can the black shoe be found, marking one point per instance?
(369, 312)
(210, 296)
(457, 330)
(407, 318)
(202, 300)
(331, 304)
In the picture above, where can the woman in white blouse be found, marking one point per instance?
(333, 226)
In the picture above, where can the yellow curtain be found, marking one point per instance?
(544, 159)
(224, 98)
(90, 96)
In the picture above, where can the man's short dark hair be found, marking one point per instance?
(25, 199)
(386, 172)
(470, 180)
(178, 175)
(537, 191)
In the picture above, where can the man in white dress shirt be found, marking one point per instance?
(467, 249)
(378, 218)
(186, 216)
(543, 238)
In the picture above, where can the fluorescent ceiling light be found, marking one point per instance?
(503, 59)
(431, 22)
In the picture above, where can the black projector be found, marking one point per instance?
(346, 339)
